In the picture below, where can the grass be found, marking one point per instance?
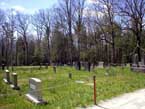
(64, 93)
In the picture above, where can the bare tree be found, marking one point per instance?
(66, 7)
(108, 9)
(79, 6)
(38, 23)
(133, 19)
(12, 28)
(22, 29)
(42, 26)
(2, 20)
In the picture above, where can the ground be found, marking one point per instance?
(133, 100)
(64, 93)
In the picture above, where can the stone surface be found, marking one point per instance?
(128, 65)
(46, 65)
(34, 94)
(7, 77)
(134, 100)
(3, 66)
(80, 82)
(14, 84)
(100, 64)
(138, 66)
(54, 69)
(70, 75)
(77, 65)
(87, 66)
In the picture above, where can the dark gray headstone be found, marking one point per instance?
(15, 82)
(7, 77)
(3, 66)
(40, 66)
(54, 69)
(70, 75)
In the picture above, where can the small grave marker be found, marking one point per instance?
(70, 75)
(77, 65)
(15, 82)
(80, 82)
(54, 69)
(46, 65)
(3, 66)
(7, 77)
(40, 66)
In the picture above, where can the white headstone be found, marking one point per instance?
(34, 93)
(101, 65)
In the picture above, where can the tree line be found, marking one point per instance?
(73, 31)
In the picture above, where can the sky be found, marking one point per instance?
(27, 6)
(30, 6)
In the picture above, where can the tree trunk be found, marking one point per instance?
(138, 47)
(48, 45)
(113, 52)
(27, 53)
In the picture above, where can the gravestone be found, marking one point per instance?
(40, 66)
(7, 77)
(128, 65)
(14, 84)
(87, 66)
(70, 75)
(54, 69)
(138, 66)
(12, 66)
(34, 93)
(3, 66)
(46, 65)
(92, 66)
(143, 59)
(79, 82)
(135, 60)
(77, 65)
(100, 64)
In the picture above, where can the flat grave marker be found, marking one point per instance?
(80, 82)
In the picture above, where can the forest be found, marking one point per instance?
(111, 31)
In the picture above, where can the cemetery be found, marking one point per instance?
(72, 54)
(68, 88)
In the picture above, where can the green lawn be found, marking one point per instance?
(64, 93)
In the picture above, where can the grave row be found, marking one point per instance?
(86, 65)
(34, 94)
(12, 81)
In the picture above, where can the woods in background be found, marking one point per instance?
(74, 30)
